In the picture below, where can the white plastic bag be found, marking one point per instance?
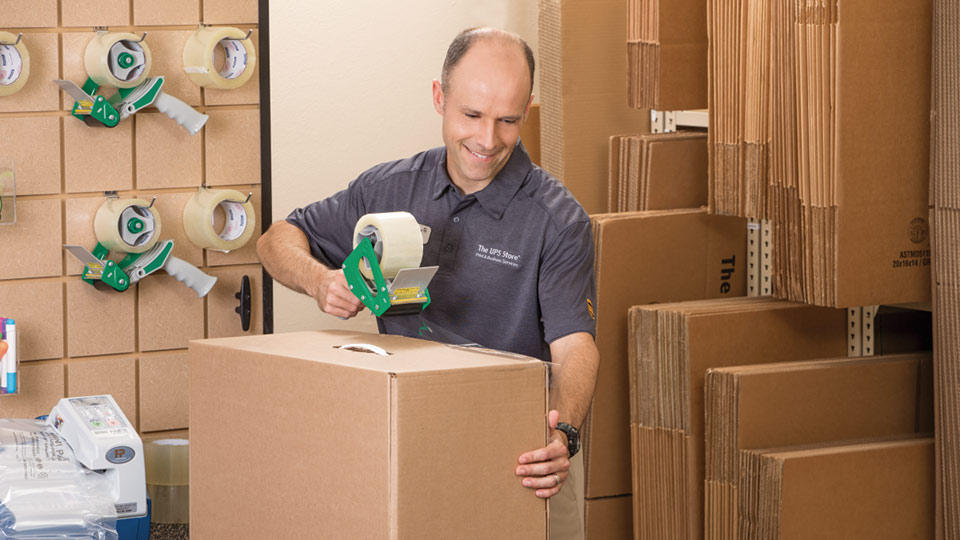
(45, 493)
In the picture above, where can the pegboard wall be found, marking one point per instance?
(75, 339)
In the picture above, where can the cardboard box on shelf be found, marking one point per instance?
(318, 431)
(641, 258)
(806, 130)
(667, 54)
(659, 171)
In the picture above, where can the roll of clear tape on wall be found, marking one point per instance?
(127, 225)
(167, 463)
(396, 240)
(199, 219)
(117, 59)
(14, 64)
(199, 57)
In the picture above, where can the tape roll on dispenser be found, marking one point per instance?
(14, 64)
(239, 219)
(127, 225)
(117, 59)
(396, 238)
(239, 57)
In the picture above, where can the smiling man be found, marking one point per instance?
(515, 250)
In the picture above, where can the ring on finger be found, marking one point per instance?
(557, 478)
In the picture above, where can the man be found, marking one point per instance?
(515, 249)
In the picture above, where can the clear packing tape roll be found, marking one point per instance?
(126, 225)
(200, 224)
(117, 59)
(167, 463)
(396, 240)
(14, 64)
(199, 57)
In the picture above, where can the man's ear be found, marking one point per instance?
(438, 98)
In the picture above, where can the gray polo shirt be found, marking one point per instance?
(516, 258)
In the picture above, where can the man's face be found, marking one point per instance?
(485, 104)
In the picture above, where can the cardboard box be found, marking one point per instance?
(530, 134)
(667, 54)
(583, 73)
(671, 348)
(308, 434)
(877, 490)
(641, 258)
(608, 518)
(945, 237)
(804, 94)
(801, 403)
(659, 171)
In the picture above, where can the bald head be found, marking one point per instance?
(466, 39)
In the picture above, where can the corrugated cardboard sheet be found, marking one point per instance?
(584, 95)
(801, 403)
(671, 348)
(658, 171)
(295, 436)
(945, 232)
(645, 257)
(878, 490)
(820, 121)
(667, 54)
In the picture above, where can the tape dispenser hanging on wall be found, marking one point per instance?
(14, 64)
(123, 60)
(130, 226)
(239, 57)
(199, 219)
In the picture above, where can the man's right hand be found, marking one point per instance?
(334, 297)
(285, 254)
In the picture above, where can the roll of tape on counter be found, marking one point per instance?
(14, 64)
(396, 240)
(239, 57)
(127, 225)
(117, 59)
(239, 219)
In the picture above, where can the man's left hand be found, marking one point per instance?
(545, 469)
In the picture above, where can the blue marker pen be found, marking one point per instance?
(10, 360)
(3, 359)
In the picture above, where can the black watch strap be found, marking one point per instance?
(573, 437)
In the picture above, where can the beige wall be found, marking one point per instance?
(350, 87)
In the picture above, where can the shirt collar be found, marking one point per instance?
(497, 195)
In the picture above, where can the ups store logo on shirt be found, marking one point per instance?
(498, 255)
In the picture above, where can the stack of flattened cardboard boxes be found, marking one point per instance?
(645, 257)
(351, 435)
(658, 171)
(583, 93)
(945, 232)
(667, 54)
(671, 348)
(842, 117)
(885, 486)
(751, 408)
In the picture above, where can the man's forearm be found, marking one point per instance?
(285, 254)
(576, 362)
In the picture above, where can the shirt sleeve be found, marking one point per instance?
(567, 289)
(328, 224)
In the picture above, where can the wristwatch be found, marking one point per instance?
(573, 437)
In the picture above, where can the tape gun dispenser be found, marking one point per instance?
(383, 270)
